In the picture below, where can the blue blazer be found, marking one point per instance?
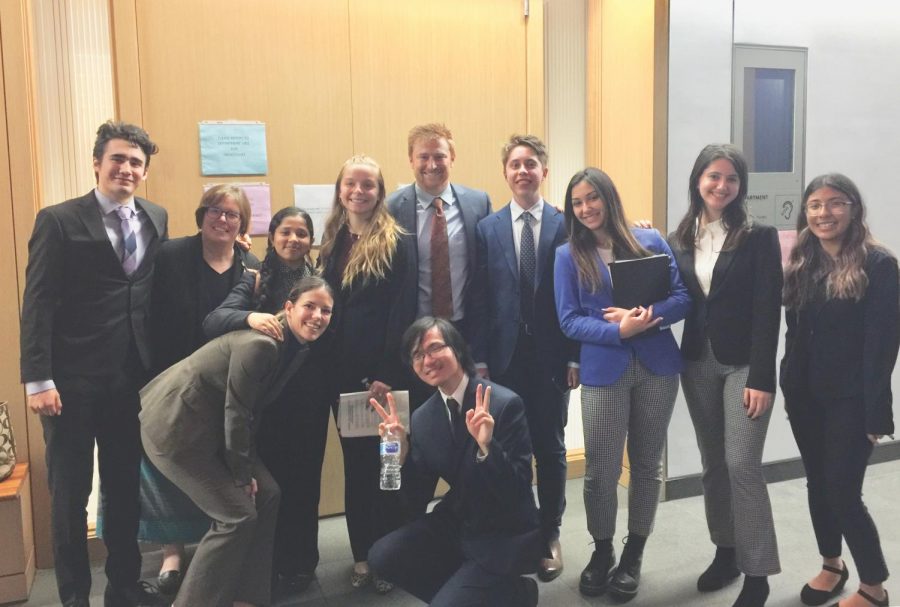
(604, 355)
(489, 504)
(495, 296)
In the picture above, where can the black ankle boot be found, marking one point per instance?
(722, 570)
(754, 593)
(624, 583)
(595, 577)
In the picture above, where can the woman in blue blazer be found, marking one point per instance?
(732, 269)
(843, 329)
(629, 371)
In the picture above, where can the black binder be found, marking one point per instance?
(640, 282)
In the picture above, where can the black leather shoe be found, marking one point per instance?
(754, 593)
(550, 568)
(169, 582)
(624, 583)
(289, 584)
(141, 594)
(813, 596)
(77, 602)
(528, 591)
(720, 572)
(595, 577)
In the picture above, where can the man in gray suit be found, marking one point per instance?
(85, 354)
(416, 207)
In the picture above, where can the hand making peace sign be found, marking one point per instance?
(390, 421)
(479, 421)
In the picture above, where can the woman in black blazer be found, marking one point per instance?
(732, 269)
(364, 262)
(843, 332)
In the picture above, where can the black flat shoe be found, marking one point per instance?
(169, 582)
(720, 572)
(813, 596)
(595, 577)
(885, 602)
(754, 593)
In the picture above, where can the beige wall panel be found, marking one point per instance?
(280, 61)
(462, 63)
(660, 114)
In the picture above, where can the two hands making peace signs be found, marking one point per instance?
(479, 421)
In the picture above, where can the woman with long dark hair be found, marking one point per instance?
(843, 332)
(364, 260)
(629, 373)
(732, 269)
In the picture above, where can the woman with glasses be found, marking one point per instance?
(629, 373)
(294, 428)
(191, 277)
(841, 299)
(732, 269)
(363, 259)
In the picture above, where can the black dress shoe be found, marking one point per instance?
(624, 583)
(528, 592)
(813, 596)
(754, 593)
(289, 584)
(550, 568)
(595, 577)
(140, 594)
(169, 582)
(77, 602)
(720, 572)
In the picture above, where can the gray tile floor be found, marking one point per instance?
(676, 553)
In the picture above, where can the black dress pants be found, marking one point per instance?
(102, 409)
(831, 435)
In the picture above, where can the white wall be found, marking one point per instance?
(852, 126)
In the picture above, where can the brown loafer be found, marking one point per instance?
(550, 568)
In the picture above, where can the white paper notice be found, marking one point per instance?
(357, 418)
(315, 200)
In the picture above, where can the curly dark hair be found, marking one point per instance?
(131, 133)
(268, 273)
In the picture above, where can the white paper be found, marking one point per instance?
(315, 200)
(357, 418)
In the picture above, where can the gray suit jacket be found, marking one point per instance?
(211, 400)
(474, 206)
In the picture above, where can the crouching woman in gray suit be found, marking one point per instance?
(197, 426)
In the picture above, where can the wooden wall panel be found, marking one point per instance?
(463, 63)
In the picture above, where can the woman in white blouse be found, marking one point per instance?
(732, 269)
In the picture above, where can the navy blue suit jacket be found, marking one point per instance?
(489, 503)
(473, 205)
(495, 296)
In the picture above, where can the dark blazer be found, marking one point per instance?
(80, 310)
(473, 204)
(604, 355)
(742, 314)
(490, 503)
(368, 323)
(495, 296)
(840, 348)
(211, 400)
(177, 305)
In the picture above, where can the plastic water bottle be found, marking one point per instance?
(390, 462)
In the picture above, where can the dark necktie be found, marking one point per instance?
(455, 416)
(129, 239)
(527, 266)
(441, 291)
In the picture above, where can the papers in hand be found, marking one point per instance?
(640, 282)
(356, 417)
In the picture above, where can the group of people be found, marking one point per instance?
(206, 378)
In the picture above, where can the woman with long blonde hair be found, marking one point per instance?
(364, 260)
(841, 294)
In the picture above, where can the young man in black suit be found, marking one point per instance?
(475, 544)
(85, 355)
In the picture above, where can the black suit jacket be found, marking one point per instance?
(490, 503)
(80, 310)
(741, 316)
(840, 348)
(368, 323)
(178, 306)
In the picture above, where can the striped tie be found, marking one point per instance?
(129, 240)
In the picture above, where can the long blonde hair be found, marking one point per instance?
(371, 256)
(809, 264)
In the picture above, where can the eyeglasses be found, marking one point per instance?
(432, 351)
(230, 216)
(837, 207)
